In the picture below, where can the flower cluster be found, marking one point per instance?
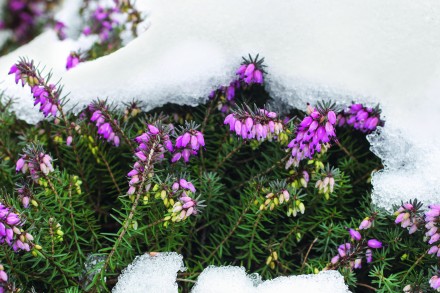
(259, 124)
(10, 231)
(313, 133)
(275, 199)
(251, 70)
(407, 216)
(185, 205)
(102, 22)
(432, 218)
(188, 143)
(45, 94)
(35, 162)
(326, 181)
(105, 129)
(24, 16)
(149, 150)
(351, 253)
(299, 179)
(365, 119)
(73, 60)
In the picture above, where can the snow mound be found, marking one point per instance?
(366, 51)
(158, 274)
(151, 274)
(235, 280)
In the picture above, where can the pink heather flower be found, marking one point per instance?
(35, 163)
(47, 95)
(363, 118)
(259, 125)
(314, 132)
(72, 60)
(434, 282)
(69, 140)
(10, 232)
(60, 30)
(188, 144)
(355, 235)
(365, 224)
(251, 71)
(105, 129)
(374, 243)
(369, 255)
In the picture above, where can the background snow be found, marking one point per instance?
(365, 51)
(158, 274)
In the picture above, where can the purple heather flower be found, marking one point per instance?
(369, 255)
(188, 144)
(355, 235)
(365, 224)
(261, 125)
(374, 243)
(363, 118)
(72, 60)
(10, 230)
(60, 30)
(407, 217)
(47, 95)
(313, 133)
(36, 164)
(105, 129)
(434, 282)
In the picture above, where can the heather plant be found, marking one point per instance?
(236, 180)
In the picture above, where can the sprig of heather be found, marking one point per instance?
(315, 133)
(409, 216)
(188, 142)
(44, 93)
(34, 162)
(150, 149)
(432, 224)
(103, 122)
(251, 70)
(11, 232)
(259, 124)
(327, 179)
(186, 204)
(74, 59)
(351, 254)
(365, 119)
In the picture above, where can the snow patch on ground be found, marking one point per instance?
(158, 274)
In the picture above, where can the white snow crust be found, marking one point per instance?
(158, 274)
(366, 51)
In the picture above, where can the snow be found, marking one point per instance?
(151, 274)
(158, 274)
(235, 280)
(366, 51)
